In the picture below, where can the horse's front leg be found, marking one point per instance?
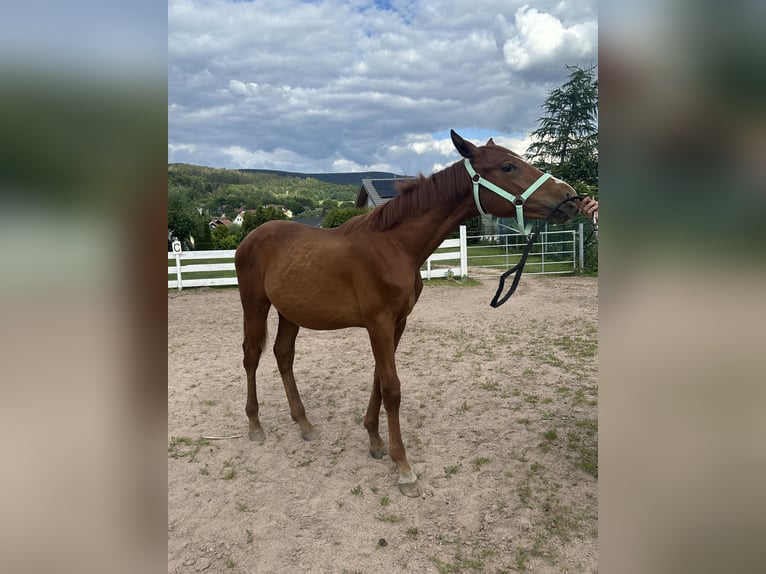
(372, 417)
(384, 339)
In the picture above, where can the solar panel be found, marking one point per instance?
(386, 188)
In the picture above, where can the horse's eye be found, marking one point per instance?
(508, 167)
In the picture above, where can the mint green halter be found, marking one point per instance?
(517, 200)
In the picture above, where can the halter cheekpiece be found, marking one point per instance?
(517, 200)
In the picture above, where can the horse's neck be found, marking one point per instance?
(424, 231)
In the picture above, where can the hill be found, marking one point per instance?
(217, 191)
(344, 178)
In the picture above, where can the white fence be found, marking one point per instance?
(216, 268)
(554, 252)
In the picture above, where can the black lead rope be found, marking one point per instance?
(519, 267)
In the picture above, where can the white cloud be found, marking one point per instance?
(238, 88)
(344, 165)
(241, 157)
(541, 40)
(431, 146)
(182, 148)
(518, 145)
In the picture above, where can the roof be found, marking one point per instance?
(312, 221)
(379, 191)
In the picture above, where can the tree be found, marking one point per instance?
(262, 214)
(183, 219)
(203, 238)
(225, 238)
(340, 215)
(566, 143)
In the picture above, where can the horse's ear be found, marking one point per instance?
(465, 148)
(490, 141)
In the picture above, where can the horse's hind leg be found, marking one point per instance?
(284, 351)
(372, 418)
(256, 334)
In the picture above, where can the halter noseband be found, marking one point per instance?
(517, 200)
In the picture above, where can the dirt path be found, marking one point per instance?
(499, 415)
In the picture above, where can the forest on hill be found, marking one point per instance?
(199, 194)
(221, 192)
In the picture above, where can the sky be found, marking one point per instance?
(357, 85)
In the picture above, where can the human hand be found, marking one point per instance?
(589, 208)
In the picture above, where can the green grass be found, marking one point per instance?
(185, 262)
(451, 282)
(583, 442)
(181, 446)
(550, 434)
(467, 556)
(458, 564)
(495, 256)
(450, 470)
(199, 274)
(228, 474)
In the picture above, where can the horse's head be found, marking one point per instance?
(506, 186)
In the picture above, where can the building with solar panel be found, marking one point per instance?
(375, 192)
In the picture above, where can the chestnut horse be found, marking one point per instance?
(366, 273)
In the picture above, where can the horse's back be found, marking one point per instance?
(271, 240)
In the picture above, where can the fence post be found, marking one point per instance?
(582, 247)
(177, 251)
(463, 251)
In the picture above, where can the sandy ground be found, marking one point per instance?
(499, 415)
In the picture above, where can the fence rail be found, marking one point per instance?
(555, 252)
(449, 259)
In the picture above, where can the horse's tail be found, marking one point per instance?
(264, 338)
(256, 331)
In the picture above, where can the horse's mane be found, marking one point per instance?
(415, 197)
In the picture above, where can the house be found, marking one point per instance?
(375, 192)
(241, 215)
(219, 221)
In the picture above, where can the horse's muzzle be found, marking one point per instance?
(565, 212)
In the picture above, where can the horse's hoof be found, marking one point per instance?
(411, 489)
(312, 434)
(378, 453)
(257, 436)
